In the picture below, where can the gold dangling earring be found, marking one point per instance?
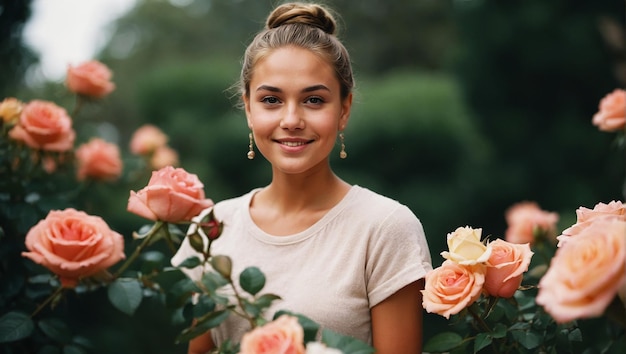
(250, 147)
(342, 154)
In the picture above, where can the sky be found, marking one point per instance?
(66, 32)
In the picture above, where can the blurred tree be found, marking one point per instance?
(14, 55)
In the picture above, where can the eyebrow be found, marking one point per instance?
(306, 89)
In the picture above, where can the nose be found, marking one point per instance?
(292, 118)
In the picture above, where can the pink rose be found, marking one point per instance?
(452, 287)
(585, 274)
(526, 220)
(146, 139)
(585, 217)
(10, 109)
(611, 115)
(73, 245)
(91, 78)
(281, 336)
(44, 125)
(172, 195)
(99, 160)
(506, 267)
(164, 156)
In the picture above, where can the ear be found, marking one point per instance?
(346, 105)
(246, 104)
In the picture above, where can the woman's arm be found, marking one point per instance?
(397, 321)
(201, 344)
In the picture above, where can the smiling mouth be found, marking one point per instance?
(294, 143)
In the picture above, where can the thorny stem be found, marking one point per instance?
(56, 293)
(146, 240)
(483, 325)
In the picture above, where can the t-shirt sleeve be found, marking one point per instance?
(398, 255)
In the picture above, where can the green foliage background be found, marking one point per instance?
(463, 107)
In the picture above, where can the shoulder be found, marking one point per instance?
(375, 206)
(227, 208)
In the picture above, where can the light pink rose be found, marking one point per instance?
(164, 156)
(98, 160)
(281, 336)
(73, 245)
(452, 287)
(172, 195)
(526, 220)
(91, 78)
(466, 247)
(611, 115)
(44, 125)
(506, 267)
(585, 274)
(10, 109)
(585, 217)
(146, 139)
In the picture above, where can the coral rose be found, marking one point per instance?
(99, 160)
(164, 156)
(172, 195)
(611, 115)
(44, 125)
(465, 247)
(281, 336)
(10, 109)
(146, 139)
(452, 287)
(91, 78)
(73, 245)
(585, 217)
(585, 274)
(526, 220)
(506, 267)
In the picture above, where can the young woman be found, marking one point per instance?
(346, 257)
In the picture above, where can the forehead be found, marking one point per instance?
(293, 65)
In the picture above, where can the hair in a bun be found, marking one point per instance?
(304, 25)
(308, 14)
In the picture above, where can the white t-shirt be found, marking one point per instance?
(362, 251)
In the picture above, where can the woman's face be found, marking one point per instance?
(295, 109)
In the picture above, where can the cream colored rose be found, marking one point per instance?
(526, 220)
(465, 246)
(506, 267)
(73, 245)
(10, 109)
(98, 160)
(611, 115)
(283, 335)
(585, 273)
(585, 217)
(452, 287)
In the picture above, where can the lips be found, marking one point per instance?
(294, 143)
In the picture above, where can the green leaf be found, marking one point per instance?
(125, 294)
(56, 329)
(252, 280)
(482, 340)
(15, 326)
(499, 331)
(443, 342)
(527, 339)
(266, 300)
(347, 345)
(190, 262)
(211, 320)
(205, 305)
(213, 281)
